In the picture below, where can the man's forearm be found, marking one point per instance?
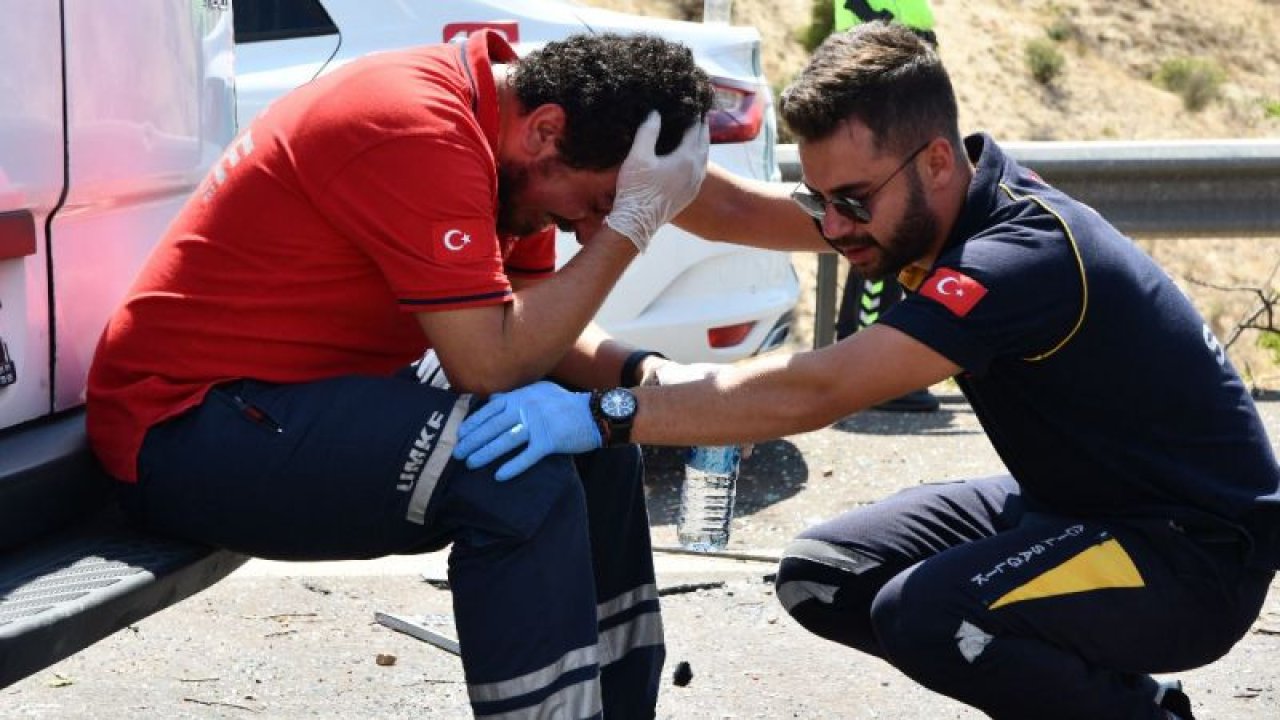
(594, 361)
(487, 350)
(761, 214)
(758, 400)
(777, 395)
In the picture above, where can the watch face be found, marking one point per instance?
(618, 403)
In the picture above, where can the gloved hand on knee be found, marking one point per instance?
(543, 417)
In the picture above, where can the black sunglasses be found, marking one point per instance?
(851, 208)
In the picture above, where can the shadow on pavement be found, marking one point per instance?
(775, 471)
(954, 417)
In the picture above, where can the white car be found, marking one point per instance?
(693, 300)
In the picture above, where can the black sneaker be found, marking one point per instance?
(917, 401)
(1173, 701)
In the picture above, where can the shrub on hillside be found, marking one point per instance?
(1197, 80)
(1045, 60)
(1270, 341)
(821, 22)
(1063, 29)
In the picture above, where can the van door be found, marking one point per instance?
(149, 108)
(31, 181)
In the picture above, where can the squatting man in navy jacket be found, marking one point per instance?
(1136, 531)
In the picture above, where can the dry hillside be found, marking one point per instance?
(1111, 51)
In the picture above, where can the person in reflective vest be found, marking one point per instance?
(915, 14)
(863, 301)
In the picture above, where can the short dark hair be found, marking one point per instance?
(883, 75)
(607, 85)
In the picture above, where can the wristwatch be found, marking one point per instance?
(614, 411)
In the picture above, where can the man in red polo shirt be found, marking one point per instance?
(254, 391)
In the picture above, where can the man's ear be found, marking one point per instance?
(940, 163)
(543, 127)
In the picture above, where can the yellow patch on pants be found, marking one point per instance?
(1105, 565)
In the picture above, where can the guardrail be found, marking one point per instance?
(1187, 188)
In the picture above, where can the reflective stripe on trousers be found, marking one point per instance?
(793, 592)
(579, 699)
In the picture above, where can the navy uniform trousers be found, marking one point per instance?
(552, 573)
(1023, 615)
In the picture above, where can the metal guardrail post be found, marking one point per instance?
(1189, 188)
(824, 315)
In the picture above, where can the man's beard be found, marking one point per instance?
(911, 238)
(513, 180)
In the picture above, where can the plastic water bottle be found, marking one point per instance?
(706, 499)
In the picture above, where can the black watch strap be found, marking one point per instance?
(627, 378)
(602, 423)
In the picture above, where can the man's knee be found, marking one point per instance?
(827, 588)
(516, 511)
(798, 586)
(922, 629)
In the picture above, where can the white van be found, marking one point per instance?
(110, 114)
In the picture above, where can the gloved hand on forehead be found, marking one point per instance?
(652, 189)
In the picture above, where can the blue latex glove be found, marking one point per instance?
(543, 417)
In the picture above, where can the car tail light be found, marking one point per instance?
(737, 111)
(509, 29)
(729, 335)
(17, 234)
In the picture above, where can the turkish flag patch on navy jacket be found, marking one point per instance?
(956, 291)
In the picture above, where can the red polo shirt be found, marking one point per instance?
(350, 204)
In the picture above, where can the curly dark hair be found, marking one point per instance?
(607, 85)
(882, 74)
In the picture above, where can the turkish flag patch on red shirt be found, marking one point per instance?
(462, 241)
(956, 291)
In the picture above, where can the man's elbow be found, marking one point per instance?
(488, 378)
(817, 404)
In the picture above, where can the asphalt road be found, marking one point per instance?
(300, 641)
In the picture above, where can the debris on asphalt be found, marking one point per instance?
(682, 674)
(435, 580)
(419, 630)
(385, 660)
(316, 588)
(690, 587)
(59, 680)
(720, 555)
